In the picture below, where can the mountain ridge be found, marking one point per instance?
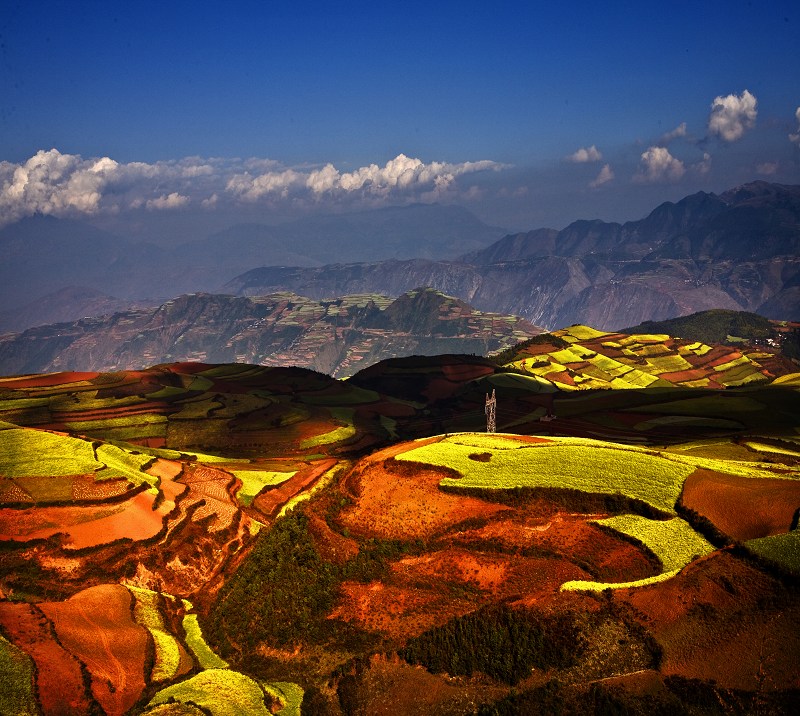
(334, 336)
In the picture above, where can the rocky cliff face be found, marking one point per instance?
(739, 251)
(337, 336)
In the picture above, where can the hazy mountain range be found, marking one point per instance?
(739, 250)
(43, 254)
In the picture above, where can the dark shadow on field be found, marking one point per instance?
(662, 416)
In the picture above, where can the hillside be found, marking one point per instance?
(580, 357)
(737, 251)
(272, 540)
(730, 327)
(335, 336)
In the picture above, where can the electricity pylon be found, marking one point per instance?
(491, 412)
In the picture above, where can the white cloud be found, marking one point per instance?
(704, 166)
(679, 131)
(400, 176)
(586, 154)
(658, 165)
(767, 168)
(253, 188)
(54, 183)
(69, 185)
(732, 115)
(606, 175)
(171, 201)
(795, 138)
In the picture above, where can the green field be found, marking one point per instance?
(16, 672)
(197, 643)
(146, 613)
(253, 481)
(221, 692)
(334, 436)
(24, 452)
(573, 463)
(673, 541)
(783, 550)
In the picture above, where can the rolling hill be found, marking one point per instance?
(196, 538)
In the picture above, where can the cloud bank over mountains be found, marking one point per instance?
(62, 184)
(67, 184)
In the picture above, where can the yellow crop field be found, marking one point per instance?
(564, 463)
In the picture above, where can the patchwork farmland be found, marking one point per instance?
(229, 538)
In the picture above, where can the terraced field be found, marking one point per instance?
(235, 539)
(581, 358)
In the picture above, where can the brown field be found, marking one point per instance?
(391, 687)
(97, 626)
(211, 486)
(743, 508)
(565, 536)
(45, 381)
(718, 619)
(397, 611)
(395, 501)
(270, 502)
(58, 674)
(490, 576)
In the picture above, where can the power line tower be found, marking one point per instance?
(491, 412)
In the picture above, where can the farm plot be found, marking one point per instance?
(572, 463)
(783, 550)
(219, 691)
(59, 680)
(171, 659)
(197, 643)
(16, 696)
(673, 541)
(137, 518)
(253, 481)
(741, 507)
(97, 626)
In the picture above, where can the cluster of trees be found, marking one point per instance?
(284, 591)
(501, 642)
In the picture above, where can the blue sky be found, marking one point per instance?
(518, 86)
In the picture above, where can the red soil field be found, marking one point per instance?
(568, 535)
(537, 349)
(165, 469)
(211, 486)
(718, 618)
(58, 674)
(92, 525)
(496, 575)
(682, 376)
(743, 508)
(392, 687)
(397, 611)
(331, 546)
(97, 626)
(402, 501)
